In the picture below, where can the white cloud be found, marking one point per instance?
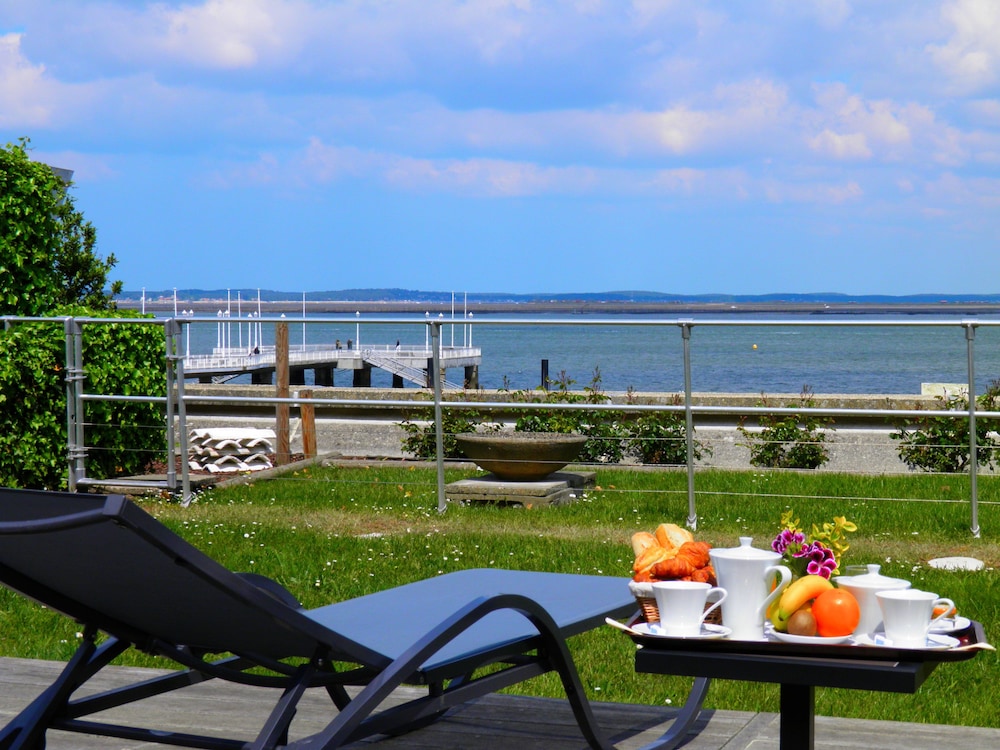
(841, 146)
(228, 34)
(25, 90)
(972, 54)
(813, 192)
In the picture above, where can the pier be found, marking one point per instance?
(406, 363)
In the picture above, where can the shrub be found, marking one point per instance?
(421, 440)
(788, 441)
(606, 430)
(122, 437)
(660, 437)
(941, 444)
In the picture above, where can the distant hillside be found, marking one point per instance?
(412, 295)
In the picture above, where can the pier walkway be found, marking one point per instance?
(406, 363)
(500, 722)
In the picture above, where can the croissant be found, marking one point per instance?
(673, 569)
(696, 553)
(705, 575)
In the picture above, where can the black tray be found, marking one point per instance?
(972, 634)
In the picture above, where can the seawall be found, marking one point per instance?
(859, 443)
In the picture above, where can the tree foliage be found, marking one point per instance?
(47, 248)
(49, 267)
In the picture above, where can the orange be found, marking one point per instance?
(837, 613)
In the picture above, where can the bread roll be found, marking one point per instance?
(641, 540)
(649, 557)
(672, 536)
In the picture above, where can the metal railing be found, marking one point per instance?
(176, 401)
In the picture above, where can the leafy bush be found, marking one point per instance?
(661, 438)
(421, 440)
(606, 430)
(788, 441)
(122, 437)
(941, 444)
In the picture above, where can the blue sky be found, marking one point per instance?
(681, 146)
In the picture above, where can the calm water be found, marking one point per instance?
(724, 358)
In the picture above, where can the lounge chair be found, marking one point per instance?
(105, 562)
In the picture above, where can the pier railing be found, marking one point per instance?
(177, 400)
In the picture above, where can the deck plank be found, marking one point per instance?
(503, 722)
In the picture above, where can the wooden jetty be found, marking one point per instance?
(406, 363)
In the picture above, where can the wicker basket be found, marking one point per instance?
(643, 593)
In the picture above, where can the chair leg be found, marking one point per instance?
(28, 729)
(350, 724)
(275, 730)
(688, 715)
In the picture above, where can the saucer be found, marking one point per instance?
(814, 640)
(935, 642)
(951, 624)
(708, 632)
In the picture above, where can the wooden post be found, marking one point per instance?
(283, 453)
(307, 413)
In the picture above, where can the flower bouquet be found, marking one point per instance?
(819, 554)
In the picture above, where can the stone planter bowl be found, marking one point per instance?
(520, 456)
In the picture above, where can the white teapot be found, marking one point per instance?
(748, 575)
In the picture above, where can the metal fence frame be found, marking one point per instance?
(176, 400)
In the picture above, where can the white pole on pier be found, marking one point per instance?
(239, 318)
(357, 330)
(303, 321)
(260, 331)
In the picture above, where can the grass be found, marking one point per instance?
(340, 532)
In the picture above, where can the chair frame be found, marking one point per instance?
(299, 648)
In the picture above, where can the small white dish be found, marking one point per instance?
(812, 640)
(708, 632)
(951, 625)
(935, 642)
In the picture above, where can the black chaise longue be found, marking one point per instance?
(133, 583)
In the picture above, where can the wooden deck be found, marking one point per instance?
(497, 722)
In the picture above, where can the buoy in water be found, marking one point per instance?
(754, 346)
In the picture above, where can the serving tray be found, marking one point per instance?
(971, 635)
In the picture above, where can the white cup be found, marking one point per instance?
(682, 606)
(906, 615)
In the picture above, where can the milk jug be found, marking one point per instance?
(748, 575)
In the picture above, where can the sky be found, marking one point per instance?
(525, 146)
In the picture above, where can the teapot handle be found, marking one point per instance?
(785, 577)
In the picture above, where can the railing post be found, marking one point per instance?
(970, 336)
(175, 401)
(76, 450)
(438, 421)
(692, 519)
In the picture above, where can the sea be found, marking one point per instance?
(738, 353)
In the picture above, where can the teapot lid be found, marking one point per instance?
(745, 552)
(873, 580)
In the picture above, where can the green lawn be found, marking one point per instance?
(334, 533)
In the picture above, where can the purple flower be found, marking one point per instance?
(786, 539)
(819, 559)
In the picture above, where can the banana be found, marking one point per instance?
(799, 593)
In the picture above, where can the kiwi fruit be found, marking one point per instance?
(802, 622)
